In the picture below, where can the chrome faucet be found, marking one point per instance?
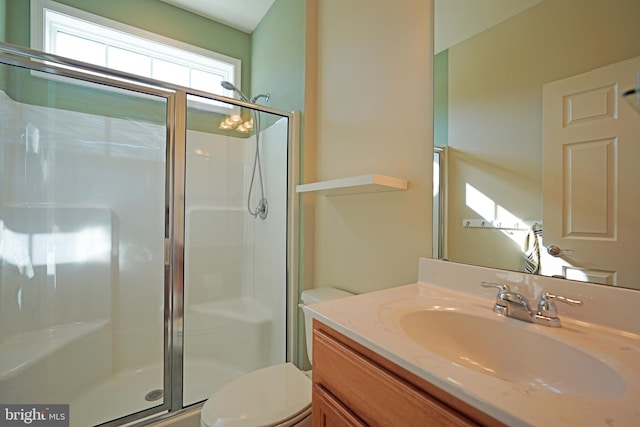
(513, 304)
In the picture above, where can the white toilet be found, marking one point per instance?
(278, 395)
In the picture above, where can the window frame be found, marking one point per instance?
(119, 35)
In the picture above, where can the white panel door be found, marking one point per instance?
(591, 177)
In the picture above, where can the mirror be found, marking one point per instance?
(489, 76)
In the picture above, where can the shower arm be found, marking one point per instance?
(266, 97)
(230, 86)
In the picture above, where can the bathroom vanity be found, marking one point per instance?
(353, 385)
(435, 353)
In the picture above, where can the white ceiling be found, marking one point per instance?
(243, 15)
(456, 20)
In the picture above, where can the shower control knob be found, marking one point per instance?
(262, 209)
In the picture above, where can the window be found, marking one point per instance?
(75, 34)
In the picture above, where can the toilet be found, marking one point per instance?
(278, 395)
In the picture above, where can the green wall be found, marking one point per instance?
(441, 99)
(3, 23)
(278, 53)
(3, 38)
(16, 21)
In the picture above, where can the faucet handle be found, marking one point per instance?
(495, 285)
(500, 305)
(547, 306)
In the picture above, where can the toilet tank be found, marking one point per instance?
(312, 296)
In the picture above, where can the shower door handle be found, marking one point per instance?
(167, 251)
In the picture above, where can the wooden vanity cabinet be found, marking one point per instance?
(328, 411)
(354, 386)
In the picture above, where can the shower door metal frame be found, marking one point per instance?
(176, 105)
(441, 207)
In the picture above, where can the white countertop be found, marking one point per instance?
(372, 320)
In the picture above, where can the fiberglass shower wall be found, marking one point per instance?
(235, 264)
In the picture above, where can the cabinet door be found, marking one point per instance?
(329, 412)
(373, 393)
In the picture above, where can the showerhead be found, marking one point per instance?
(229, 86)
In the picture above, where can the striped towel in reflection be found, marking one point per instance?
(531, 249)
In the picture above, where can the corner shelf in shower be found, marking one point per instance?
(370, 183)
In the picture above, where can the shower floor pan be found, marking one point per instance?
(125, 393)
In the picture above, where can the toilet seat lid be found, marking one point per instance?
(265, 397)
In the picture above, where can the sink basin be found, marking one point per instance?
(512, 351)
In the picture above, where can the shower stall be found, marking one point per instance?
(133, 281)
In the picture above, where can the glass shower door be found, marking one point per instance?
(83, 175)
(235, 292)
